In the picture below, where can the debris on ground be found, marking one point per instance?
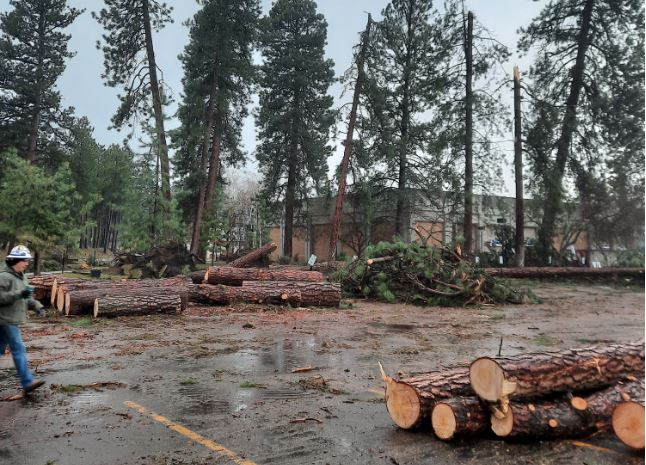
(421, 274)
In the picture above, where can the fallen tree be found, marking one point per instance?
(546, 272)
(253, 257)
(403, 272)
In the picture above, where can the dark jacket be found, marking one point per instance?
(13, 307)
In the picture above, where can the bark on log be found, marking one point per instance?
(410, 401)
(138, 303)
(561, 272)
(235, 276)
(628, 423)
(253, 256)
(459, 416)
(312, 294)
(197, 277)
(534, 375)
(557, 418)
(224, 295)
(81, 300)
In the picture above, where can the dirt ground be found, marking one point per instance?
(216, 385)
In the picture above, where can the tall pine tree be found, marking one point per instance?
(295, 114)
(130, 63)
(585, 68)
(218, 74)
(33, 50)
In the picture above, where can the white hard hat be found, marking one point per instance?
(20, 252)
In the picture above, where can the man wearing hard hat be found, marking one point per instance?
(15, 298)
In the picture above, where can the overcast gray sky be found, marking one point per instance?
(82, 87)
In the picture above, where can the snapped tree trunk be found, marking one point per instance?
(468, 138)
(565, 272)
(340, 196)
(518, 168)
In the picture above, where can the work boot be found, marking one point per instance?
(33, 385)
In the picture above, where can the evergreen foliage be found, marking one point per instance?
(33, 50)
(129, 62)
(586, 127)
(295, 115)
(417, 273)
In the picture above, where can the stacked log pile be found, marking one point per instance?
(215, 286)
(571, 393)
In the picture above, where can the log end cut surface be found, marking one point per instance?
(502, 427)
(444, 422)
(628, 424)
(487, 379)
(403, 404)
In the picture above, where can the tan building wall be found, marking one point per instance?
(429, 233)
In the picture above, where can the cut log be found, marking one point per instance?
(197, 277)
(253, 256)
(561, 272)
(459, 416)
(59, 282)
(81, 300)
(557, 418)
(628, 423)
(410, 401)
(312, 294)
(534, 375)
(138, 303)
(224, 295)
(235, 276)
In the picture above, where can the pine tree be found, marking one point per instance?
(295, 114)
(218, 74)
(33, 50)
(130, 63)
(585, 67)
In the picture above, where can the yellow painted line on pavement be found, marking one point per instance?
(214, 446)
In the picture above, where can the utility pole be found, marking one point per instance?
(340, 197)
(518, 167)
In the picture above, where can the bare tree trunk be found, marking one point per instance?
(35, 121)
(518, 166)
(340, 197)
(290, 199)
(553, 198)
(157, 108)
(468, 139)
(206, 138)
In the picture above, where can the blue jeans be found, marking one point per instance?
(10, 336)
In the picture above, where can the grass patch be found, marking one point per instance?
(544, 340)
(249, 385)
(83, 322)
(188, 382)
(67, 388)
